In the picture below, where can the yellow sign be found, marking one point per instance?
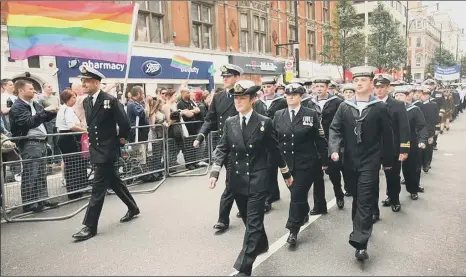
(289, 75)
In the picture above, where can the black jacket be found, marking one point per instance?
(431, 111)
(248, 157)
(278, 103)
(328, 111)
(418, 127)
(302, 142)
(102, 120)
(400, 125)
(367, 135)
(22, 120)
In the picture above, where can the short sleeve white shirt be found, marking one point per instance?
(66, 118)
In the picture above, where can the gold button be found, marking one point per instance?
(95, 127)
(284, 143)
(292, 135)
(250, 145)
(247, 155)
(292, 152)
(233, 145)
(247, 173)
(292, 143)
(284, 135)
(236, 154)
(284, 151)
(97, 144)
(220, 117)
(237, 172)
(247, 163)
(236, 162)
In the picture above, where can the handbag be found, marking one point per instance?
(85, 146)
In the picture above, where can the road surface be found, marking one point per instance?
(174, 235)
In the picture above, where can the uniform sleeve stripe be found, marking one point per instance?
(284, 169)
(405, 144)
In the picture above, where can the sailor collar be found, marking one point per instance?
(372, 100)
(410, 107)
(330, 98)
(277, 97)
(415, 102)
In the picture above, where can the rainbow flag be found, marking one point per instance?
(181, 62)
(78, 29)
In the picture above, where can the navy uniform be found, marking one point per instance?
(364, 128)
(246, 142)
(272, 106)
(431, 112)
(221, 108)
(437, 97)
(302, 142)
(103, 113)
(418, 135)
(327, 106)
(401, 133)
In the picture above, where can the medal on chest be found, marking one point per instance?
(262, 127)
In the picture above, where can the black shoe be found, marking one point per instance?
(414, 196)
(267, 207)
(190, 167)
(425, 169)
(292, 238)
(85, 233)
(396, 207)
(316, 211)
(129, 215)
(341, 203)
(306, 219)
(375, 218)
(387, 202)
(238, 215)
(421, 189)
(361, 254)
(219, 226)
(35, 208)
(50, 204)
(348, 194)
(435, 147)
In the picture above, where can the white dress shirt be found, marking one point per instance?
(296, 110)
(248, 116)
(94, 97)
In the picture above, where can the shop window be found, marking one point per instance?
(34, 62)
(150, 23)
(202, 25)
(311, 45)
(244, 35)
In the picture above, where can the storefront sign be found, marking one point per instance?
(258, 66)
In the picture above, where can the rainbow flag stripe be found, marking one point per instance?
(78, 29)
(181, 62)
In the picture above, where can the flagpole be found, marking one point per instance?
(130, 46)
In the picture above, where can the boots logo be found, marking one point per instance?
(151, 68)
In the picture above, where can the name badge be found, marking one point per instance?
(307, 121)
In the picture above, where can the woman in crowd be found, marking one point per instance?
(75, 166)
(175, 132)
(156, 117)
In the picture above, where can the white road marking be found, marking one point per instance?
(282, 241)
(448, 154)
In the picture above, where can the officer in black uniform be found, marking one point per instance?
(418, 138)
(436, 97)
(363, 124)
(221, 108)
(273, 103)
(103, 113)
(302, 142)
(247, 141)
(431, 112)
(328, 105)
(401, 133)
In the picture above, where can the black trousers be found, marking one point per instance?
(34, 174)
(105, 176)
(412, 171)
(393, 179)
(320, 202)
(426, 155)
(299, 205)
(227, 199)
(333, 172)
(255, 240)
(274, 192)
(361, 185)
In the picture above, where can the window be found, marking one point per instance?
(34, 62)
(418, 60)
(326, 11)
(418, 42)
(290, 7)
(417, 76)
(311, 45)
(202, 25)
(311, 10)
(419, 24)
(244, 35)
(259, 34)
(149, 25)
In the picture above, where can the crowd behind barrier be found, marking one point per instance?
(147, 162)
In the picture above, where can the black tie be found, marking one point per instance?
(91, 102)
(292, 115)
(243, 126)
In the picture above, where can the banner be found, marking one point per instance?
(449, 73)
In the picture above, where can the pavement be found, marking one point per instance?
(173, 234)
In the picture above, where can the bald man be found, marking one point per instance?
(78, 106)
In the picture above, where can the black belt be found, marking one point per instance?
(35, 140)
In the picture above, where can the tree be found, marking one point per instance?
(445, 59)
(343, 39)
(463, 67)
(387, 48)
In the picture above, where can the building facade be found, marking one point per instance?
(206, 31)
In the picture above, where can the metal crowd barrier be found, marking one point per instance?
(183, 159)
(30, 178)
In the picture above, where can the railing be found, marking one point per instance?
(32, 183)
